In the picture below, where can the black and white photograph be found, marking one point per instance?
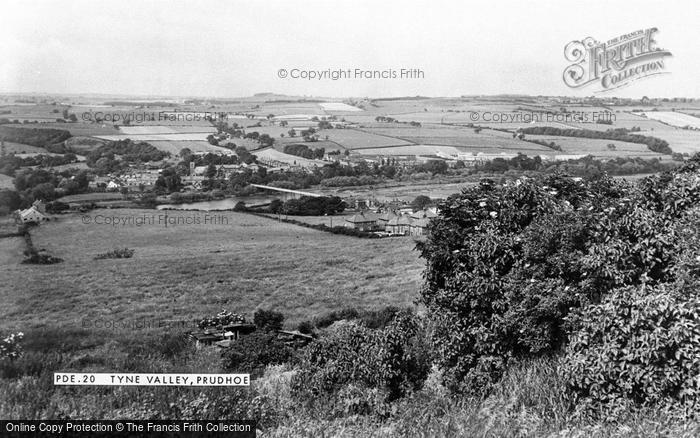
(349, 218)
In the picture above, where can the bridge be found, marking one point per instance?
(287, 193)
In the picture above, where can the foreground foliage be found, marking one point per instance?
(508, 265)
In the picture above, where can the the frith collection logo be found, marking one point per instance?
(615, 63)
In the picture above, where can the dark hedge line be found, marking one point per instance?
(322, 227)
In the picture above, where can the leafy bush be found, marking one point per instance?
(120, 253)
(306, 327)
(392, 359)
(268, 320)
(639, 346)
(221, 319)
(507, 264)
(10, 346)
(378, 319)
(41, 258)
(252, 353)
(325, 320)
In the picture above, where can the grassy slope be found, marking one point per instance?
(188, 271)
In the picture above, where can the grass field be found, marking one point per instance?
(6, 182)
(76, 129)
(276, 155)
(174, 147)
(355, 139)
(680, 140)
(162, 129)
(88, 197)
(465, 139)
(23, 148)
(597, 148)
(673, 118)
(181, 272)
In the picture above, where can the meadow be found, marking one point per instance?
(674, 118)
(597, 148)
(6, 182)
(179, 272)
(463, 138)
(358, 139)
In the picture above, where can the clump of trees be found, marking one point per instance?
(47, 138)
(314, 206)
(386, 363)
(301, 150)
(114, 155)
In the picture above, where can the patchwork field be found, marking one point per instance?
(275, 155)
(674, 118)
(681, 140)
(187, 136)
(76, 129)
(162, 129)
(598, 148)
(356, 139)
(338, 106)
(465, 139)
(411, 150)
(23, 148)
(181, 272)
(174, 147)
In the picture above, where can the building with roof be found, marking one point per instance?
(363, 221)
(34, 214)
(418, 226)
(384, 219)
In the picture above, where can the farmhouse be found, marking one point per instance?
(362, 221)
(34, 214)
(384, 219)
(115, 184)
(418, 226)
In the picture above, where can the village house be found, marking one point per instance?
(145, 178)
(223, 171)
(99, 182)
(418, 226)
(115, 184)
(364, 221)
(34, 214)
(384, 219)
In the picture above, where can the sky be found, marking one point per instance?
(236, 48)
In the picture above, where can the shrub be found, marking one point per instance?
(41, 258)
(325, 320)
(392, 360)
(221, 319)
(121, 253)
(638, 347)
(268, 320)
(378, 319)
(252, 353)
(10, 346)
(306, 327)
(506, 265)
